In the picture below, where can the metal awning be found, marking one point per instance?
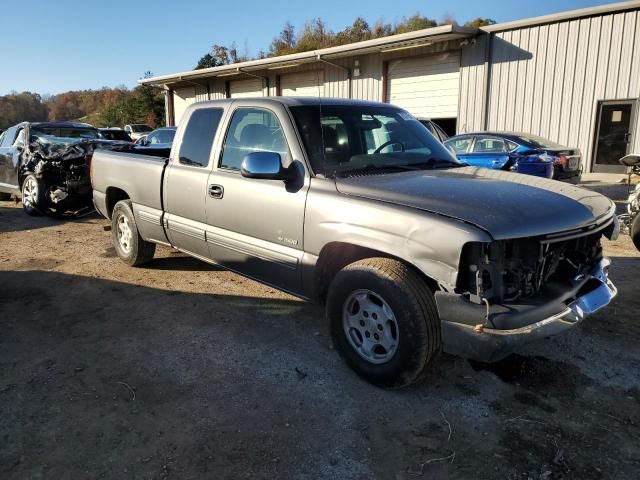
(409, 40)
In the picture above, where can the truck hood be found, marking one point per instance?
(504, 204)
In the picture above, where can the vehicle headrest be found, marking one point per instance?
(256, 135)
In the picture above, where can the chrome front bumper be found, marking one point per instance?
(491, 344)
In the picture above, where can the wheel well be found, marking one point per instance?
(337, 255)
(114, 195)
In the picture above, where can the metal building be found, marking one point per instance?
(572, 77)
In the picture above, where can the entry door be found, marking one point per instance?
(613, 137)
(10, 150)
(255, 227)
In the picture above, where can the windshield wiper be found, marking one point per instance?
(432, 163)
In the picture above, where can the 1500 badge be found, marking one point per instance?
(288, 241)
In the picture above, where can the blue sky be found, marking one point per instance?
(55, 46)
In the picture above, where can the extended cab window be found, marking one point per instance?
(252, 130)
(459, 145)
(198, 137)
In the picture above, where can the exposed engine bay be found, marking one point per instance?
(510, 271)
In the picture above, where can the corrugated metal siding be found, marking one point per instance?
(548, 79)
(472, 78)
(201, 94)
(216, 89)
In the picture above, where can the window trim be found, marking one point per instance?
(218, 164)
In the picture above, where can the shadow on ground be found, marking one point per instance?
(14, 219)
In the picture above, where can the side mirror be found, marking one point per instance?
(266, 166)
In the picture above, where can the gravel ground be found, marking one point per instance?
(181, 370)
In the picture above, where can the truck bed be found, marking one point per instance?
(138, 175)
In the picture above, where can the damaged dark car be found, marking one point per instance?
(48, 165)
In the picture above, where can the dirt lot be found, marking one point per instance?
(181, 370)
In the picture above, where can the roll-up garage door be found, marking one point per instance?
(246, 88)
(426, 86)
(182, 98)
(303, 84)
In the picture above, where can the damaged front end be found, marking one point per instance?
(63, 174)
(513, 291)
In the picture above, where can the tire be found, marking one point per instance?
(382, 291)
(128, 243)
(33, 201)
(4, 197)
(635, 231)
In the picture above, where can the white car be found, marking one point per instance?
(137, 130)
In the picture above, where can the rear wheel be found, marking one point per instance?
(32, 195)
(129, 245)
(635, 231)
(384, 321)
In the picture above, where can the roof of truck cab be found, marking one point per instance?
(297, 101)
(58, 125)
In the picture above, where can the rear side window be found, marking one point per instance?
(198, 137)
(488, 145)
(8, 137)
(459, 145)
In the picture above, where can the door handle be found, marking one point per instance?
(216, 191)
(627, 137)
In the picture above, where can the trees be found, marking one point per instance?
(479, 22)
(20, 107)
(414, 22)
(102, 108)
(283, 43)
(316, 34)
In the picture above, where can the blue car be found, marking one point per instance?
(518, 152)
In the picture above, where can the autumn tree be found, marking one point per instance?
(479, 22)
(413, 23)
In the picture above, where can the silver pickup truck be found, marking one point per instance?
(356, 205)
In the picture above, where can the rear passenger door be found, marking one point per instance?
(186, 182)
(488, 152)
(10, 151)
(256, 226)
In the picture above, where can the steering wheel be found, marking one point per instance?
(386, 144)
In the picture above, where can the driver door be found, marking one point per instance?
(255, 227)
(10, 151)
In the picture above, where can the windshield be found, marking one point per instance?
(346, 139)
(141, 128)
(63, 135)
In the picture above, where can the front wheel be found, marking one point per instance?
(635, 231)
(32, 195)
(129, 245)
(384, 321)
